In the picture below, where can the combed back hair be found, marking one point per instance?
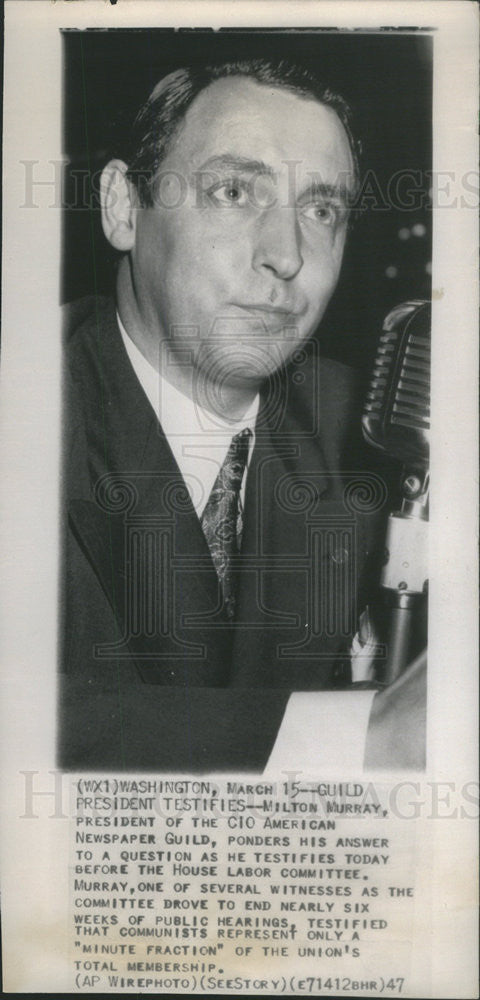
(162, 115)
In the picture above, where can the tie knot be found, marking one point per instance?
(241, 441)
(242, 438)
(236, 459)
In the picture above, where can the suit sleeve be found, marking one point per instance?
(111, 726)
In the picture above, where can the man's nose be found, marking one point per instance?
(277, 245)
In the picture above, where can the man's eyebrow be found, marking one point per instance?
(333, 192)
(240, 163)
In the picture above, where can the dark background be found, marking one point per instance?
(386, 77)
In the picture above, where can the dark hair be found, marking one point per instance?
(163, 113)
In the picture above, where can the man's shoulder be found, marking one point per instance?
(90, 335)
(330, 389)
(340, 408)
(86, 314)
(342, 381)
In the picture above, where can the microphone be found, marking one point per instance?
(396, 420)
(397, 409)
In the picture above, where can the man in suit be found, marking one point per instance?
(214, 547)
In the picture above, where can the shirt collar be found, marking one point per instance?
(177, 413)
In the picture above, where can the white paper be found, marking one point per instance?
(433, 812)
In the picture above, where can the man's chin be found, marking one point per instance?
(246, 364)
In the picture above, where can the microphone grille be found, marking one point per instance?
(397, 408)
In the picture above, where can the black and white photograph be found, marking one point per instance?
(237, 290)
(239, 447)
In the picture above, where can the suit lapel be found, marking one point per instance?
(294, 519)
(135, 523)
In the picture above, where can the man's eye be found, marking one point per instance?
(322, 212)
(229, 194)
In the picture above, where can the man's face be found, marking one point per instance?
(235, 263)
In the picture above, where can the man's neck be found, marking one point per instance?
(233, 401)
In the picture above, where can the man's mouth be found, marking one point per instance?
(272, 320)
(284, 311)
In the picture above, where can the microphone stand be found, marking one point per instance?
(403, 582)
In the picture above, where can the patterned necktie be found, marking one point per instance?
(220, 519)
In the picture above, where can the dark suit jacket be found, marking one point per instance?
(153, 675)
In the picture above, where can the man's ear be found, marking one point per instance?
(118, 208)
